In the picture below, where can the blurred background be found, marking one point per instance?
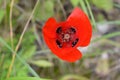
(24, 54)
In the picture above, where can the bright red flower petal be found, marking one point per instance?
(67, 54)
(50, 27)
(79, 20)
(72, 56)
(63, 38)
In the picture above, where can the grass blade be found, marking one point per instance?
(106, 36)
(91, 14)
(18, 57)
(83, 6)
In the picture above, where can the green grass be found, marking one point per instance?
(19, 58)
(33, 43)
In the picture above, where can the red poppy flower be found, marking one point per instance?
(63, 38)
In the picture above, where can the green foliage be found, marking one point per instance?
(44, 10)
(75, 2)
(29, 52)
(2, 13)
(100, 17)
(91, 14)
(7, 11)
(28, 49)
(73, 77)
(28, 46)
(106, 5)
(51, 67)
(26, 78)
(82, 4)
(19, 58)
(42, 63)
(107, 36)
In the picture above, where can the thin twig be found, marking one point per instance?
(19, 8)
(21, 37)
(63, 10)
(11, 29)
(37, 37)
(10, 19)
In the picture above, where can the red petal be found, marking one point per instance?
(68, 54)
(49, 29)
(79, 20)
(72, 56)
(51, 41)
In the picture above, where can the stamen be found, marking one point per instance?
(74, 42)
(65, 37)
(73, 30)
(59, 30)
(59, 43)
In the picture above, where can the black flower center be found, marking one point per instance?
(66, 37)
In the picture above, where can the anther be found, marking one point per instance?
(73, 30)
(75, 42)
(59, 43)
(59, 30)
